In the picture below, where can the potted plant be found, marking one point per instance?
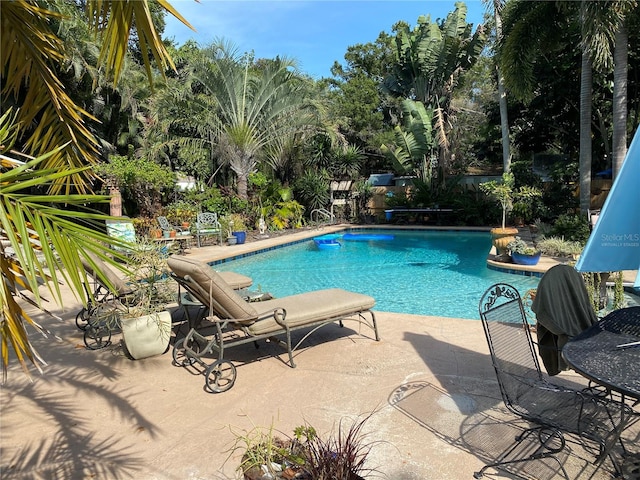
(505, 193)
(181, 213)
(239, 227)
(227, 227)
(145, 321)
(523, 254)
(234, 227)
(341, 455)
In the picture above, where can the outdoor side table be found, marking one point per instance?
(595, 353)
(183, 240)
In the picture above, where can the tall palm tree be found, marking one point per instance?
(621, 10)
(256, 105)
(429, 61)
(496, 7)
(45, 224)
(602, 26)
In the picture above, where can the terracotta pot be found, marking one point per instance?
(172, 234)
(501, 237)
(185, 224)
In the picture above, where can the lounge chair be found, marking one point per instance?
(111, 294)
(237, 321)
(124, 232)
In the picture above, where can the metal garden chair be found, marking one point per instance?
(552, 409)
(207, 224)
(166, 226)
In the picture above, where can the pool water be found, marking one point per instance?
(441, 273)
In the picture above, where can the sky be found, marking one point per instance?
(314, 32)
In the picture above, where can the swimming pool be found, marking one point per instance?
(442, 273)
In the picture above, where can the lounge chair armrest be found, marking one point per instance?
(280, 316)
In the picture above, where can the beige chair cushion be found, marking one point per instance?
(212, 290)
(310, 307)
(235, 280)
(121, 287)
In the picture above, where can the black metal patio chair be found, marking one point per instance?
(554, 411)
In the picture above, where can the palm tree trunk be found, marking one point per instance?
(620, 56)
(586, 81)
(242, 186)
(502, 95)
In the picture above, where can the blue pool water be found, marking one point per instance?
(442, 273)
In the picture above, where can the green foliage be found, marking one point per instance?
(208, 200)
(473, 210)
(520, 246)
(559, 247)
(505, 192)
(559, 195)
(397, 199)
(347, 162)
(354, 96)
(149, 272)
(140, 180)
(262, 446)
(279, 208)
(286, 213)
(363, 192)
(259, 107)
(572, 227)
(181, 211)
(237, 222)
(312, 188)
(413, 141)
(338, 456)
(600, 293)
(431, 56)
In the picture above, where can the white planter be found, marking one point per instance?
(148, 335)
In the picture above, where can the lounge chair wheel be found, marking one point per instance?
(220, 376)
(82, 318)
(180, 356)
(97, 336)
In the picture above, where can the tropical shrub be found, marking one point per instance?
(559, 195)
(520, 246)
(363, 193)
(571, 227)
(312, 189)
(208, 200)
(397, 199)
(141, 182)
(505, 193)
(181, 211)
(559, 247)
(347, 162)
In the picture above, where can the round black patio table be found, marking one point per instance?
(596, 353)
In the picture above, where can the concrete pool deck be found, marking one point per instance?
(436, 412)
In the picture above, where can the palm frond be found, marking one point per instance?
(46, 236)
